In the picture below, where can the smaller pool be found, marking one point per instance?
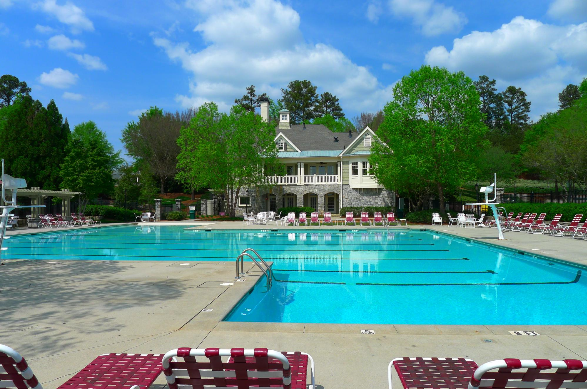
(413, 277)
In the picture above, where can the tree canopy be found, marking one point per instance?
(299, 98)
(33, 141)
(327, 104)
(335, 125)
(225, 152)
(10, 87)
(432, 132)
(89, 162)
(153, 141)
(516, 106)
(568, 96)
(250, 100)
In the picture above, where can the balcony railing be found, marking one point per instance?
(307, 179)
(321, 179)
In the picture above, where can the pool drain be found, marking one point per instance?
(368, 332)
(524, 333)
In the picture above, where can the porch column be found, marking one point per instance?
(320, 201)
(300, 173)
(157, 210)
(300, 200)
(66, 207)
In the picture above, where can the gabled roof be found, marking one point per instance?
(281, 135)
(316, 137)
(357, 139)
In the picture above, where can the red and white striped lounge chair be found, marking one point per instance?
(120, 371)
(581, 231)
(377, 218)
(246, 368)
(548, 228)
(461, 373)
(570, 229)
(535, 225)
(327, 218)
(302, 218)
(350, 218)
(390, 219)
(365, 218)
(314, 218)
(525, 223)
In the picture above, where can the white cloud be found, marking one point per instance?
(568, 10)
(61, 42)
(44, 29)
(539, 58)
(5, 3)
(520, 49)
(432, 17)
(137, 112)
(68, 14)
(29, 43)
(373, 11)
(58, 78)
(4, 30)
(72, 96)
(260, 43)
(390, 67)
(100, 106)
(90, 62)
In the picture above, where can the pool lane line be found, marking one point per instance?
(577, 278)
(212, 249)
(387, 271)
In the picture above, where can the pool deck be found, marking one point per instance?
(60, 315)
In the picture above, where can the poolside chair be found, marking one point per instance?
(314, 218)
(302, 219)
(245, 368)
(121, 371)
(350, 218)
(291, 218)
(436, 218)
(451, 220)
(365, 218)
(552, 226)
(461, 373)
(537, 225)
(377, 218)
(147, 217)
(327, 218)
(570, 229)
(390, 219)
(581, 231)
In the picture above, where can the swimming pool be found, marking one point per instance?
(366, 277)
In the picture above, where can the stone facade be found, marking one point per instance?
(353, 197)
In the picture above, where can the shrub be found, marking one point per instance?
(357, 211)
(297, 210)
(175, 215)
(112, 214)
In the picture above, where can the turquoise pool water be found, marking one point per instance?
(366, 277)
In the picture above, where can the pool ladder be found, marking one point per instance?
(257, 260)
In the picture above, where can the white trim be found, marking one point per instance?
(288, 141)
(349, 147)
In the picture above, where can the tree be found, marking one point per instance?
(367, 119)
(568, 96)
(327, 104)
(153, 140)
(583, 88)
(299, 98)
(226, 152)
(33, 140)
(432, 133)
(335, 125)
(274, 108)
(491, 102)
(516, 106)
(89, 163)
(10, 87)
(250, 100)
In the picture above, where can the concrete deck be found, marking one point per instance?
(61, 315)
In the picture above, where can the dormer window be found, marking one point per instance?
(283, 117)
(367, 141)
(280, 145)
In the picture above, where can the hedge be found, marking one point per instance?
(175, 215)
(297, 210)
(568, 210)
(112, 213)
(357, 210)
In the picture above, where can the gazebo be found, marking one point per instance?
(38, 195)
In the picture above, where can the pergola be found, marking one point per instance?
(38, 195)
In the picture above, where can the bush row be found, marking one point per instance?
(357, 211)
(297, 210)
(112, 213)
(568, 210)
(174, 215)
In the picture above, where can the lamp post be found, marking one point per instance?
(247, 202)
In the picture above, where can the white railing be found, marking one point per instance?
(321, 179)
(282, 180)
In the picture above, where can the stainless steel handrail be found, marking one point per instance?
(259, 261)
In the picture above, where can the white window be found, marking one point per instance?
(330, 170)
(283, 117)
(365, 168)
(355, 169)
(312, 170)
(367, 141)
(321, 170)
(280, 145)
(244, 201)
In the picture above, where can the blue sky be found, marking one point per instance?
(109, 60)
